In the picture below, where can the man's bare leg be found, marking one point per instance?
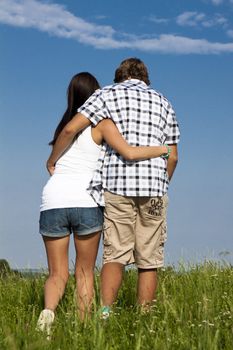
(147, 285)
(111, 279)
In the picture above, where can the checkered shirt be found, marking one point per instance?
(145, 118)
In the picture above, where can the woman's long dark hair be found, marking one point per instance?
(80, 88)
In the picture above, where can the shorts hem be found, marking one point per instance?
(155, 266)
(117, 261)
(56, 235)
(88, 232)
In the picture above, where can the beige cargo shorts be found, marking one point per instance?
(135, 230)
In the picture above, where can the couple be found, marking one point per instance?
(119, 150)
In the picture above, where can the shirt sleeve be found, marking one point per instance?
(95, 108)
(173, 132)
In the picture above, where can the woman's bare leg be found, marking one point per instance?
(86, 253)
(58, 264)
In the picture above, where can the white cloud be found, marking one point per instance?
(158, 20)
(58, 21)
(168, 43)
(217, 20)
(51, 18)
(194, 19)
(189, 18)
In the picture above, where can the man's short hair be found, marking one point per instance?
(132, 68)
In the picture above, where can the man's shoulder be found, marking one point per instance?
(124, 85)
(112, 87)
(127, 85)
(105, 90)
(102, 92)
(163, 99)
(108, 91)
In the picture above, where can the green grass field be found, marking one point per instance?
(194, 310)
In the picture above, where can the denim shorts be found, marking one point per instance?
(64, 221)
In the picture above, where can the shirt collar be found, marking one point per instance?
(135, 81)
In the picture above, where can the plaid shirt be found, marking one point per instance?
(145, 118)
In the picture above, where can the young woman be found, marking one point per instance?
(67, 207)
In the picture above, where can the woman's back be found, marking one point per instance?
(72, 175)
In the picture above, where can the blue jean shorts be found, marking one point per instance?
(64, 221)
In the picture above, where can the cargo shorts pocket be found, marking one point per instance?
(163, 236)
(108, 249)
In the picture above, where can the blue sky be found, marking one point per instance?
(188, 48)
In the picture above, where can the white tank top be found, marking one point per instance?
(66, 188)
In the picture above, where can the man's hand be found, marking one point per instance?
(50, 167)
(172, 161)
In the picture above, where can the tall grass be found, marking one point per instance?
(193, 310)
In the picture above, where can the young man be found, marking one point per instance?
(135, 193)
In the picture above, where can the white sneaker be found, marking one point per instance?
(45, 321)
(105, 312)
